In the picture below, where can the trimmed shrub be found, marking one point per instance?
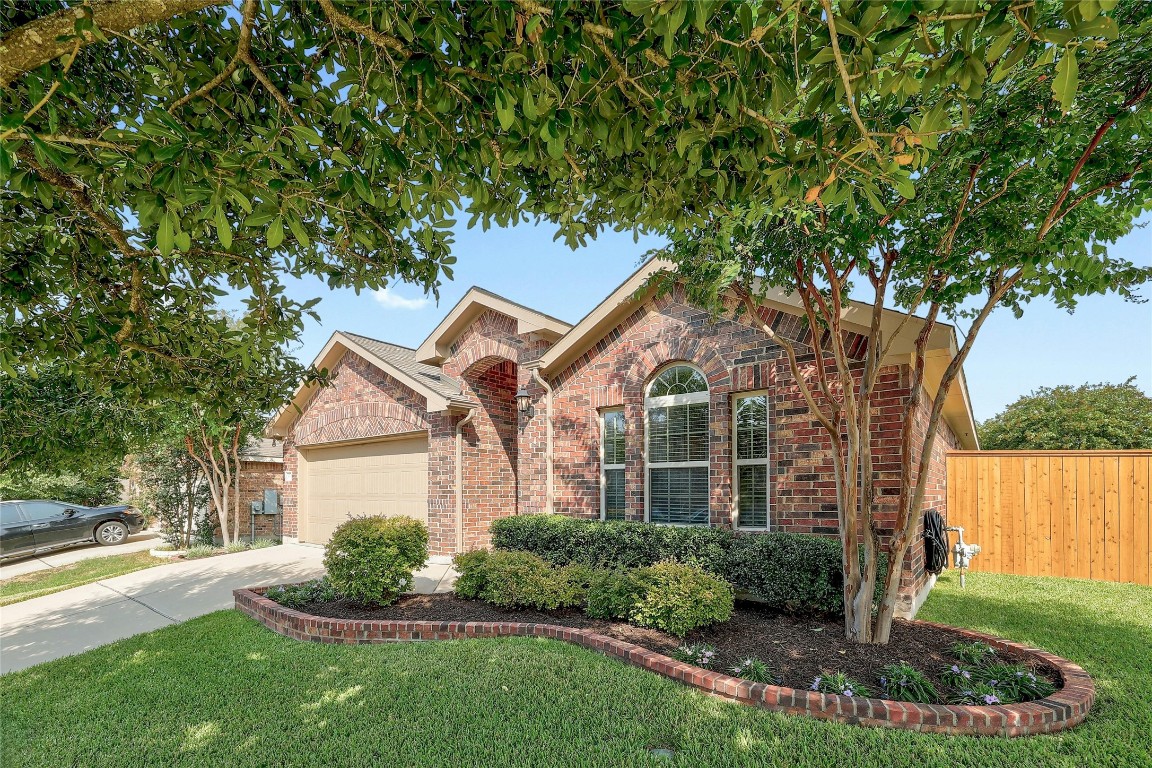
(611, 594)
(678, 598)
(300, 595)
(561, 540)
(371, 559)
(791, 572)
(524, 580)
(472, 577)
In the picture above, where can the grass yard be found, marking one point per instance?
(223, 691)
(40, 583)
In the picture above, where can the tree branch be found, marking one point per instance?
(377, 38)
(40, 41)
(844, 78)
(247, 17)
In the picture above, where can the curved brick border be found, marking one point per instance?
(1063, 709)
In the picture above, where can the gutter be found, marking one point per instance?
(460, 478)
(550, 481)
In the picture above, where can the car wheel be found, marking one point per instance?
(111, 533)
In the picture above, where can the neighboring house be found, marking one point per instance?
(261, 471)
(647, 409)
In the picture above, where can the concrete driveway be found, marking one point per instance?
(137, 542)
(82, 618)
(102, 612)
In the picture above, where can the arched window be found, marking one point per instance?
(676, 411)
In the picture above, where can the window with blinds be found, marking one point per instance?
(678, 443)
(612, 497)
(752, 461)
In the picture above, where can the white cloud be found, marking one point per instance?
(390, 300)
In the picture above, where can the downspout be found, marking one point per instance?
(460, 479)
(549, 482)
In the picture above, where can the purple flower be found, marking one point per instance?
(847, 691)
(884, 681)
(966, 675)
(990, 699)
(816, 684)
(956, 669)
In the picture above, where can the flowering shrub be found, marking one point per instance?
(371, 559)
(297, 596)
(756, 670)
(903, 682)
(979, 693)
(1014, 682)
(974, 653)
(839, 683)
(699, 654)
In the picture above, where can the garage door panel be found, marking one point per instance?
(388, 478)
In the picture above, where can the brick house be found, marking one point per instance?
(647, 409)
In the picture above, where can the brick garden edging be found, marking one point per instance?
(1067, 707)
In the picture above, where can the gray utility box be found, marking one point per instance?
(270, 505)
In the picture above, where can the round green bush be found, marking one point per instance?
(677, 598)
(524, 580)
(371, 559)
(611, 594)
(471, 575)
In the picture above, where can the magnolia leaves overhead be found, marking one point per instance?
(153, 168)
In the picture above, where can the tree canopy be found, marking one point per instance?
(156, 155)
(1065, 418)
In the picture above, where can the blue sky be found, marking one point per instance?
(1106, 339)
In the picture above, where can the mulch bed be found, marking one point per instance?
(799, 648)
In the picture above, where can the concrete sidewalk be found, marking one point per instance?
(83, 618)
(137, 542)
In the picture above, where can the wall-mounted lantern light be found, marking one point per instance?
(524, 404)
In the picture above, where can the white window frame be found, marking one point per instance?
(738, 462)
(605, 467)
(664, 401)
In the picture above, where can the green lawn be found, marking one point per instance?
(40, 583)
(223, 691)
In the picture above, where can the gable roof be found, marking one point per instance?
(474, 303)
(263, 449)
(441, 391)
(630, 294)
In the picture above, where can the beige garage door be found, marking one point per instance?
(386, 478)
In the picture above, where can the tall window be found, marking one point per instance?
(612, 499)
(677, 414)
(752, 461)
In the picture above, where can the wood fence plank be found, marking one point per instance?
(1126, 518)
(1056, 484)
(1142, 504)
(1083, 518)
(1112, 521)
(1096, 506)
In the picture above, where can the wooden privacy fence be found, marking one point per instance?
(1082, 514)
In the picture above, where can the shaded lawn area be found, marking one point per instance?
(222, 690)
(40, 583)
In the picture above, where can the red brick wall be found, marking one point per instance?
(255, 477)
(490, 448)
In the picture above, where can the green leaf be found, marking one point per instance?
(276, 232)
(223, 228)
(1067, 79)
(165, 237)
(504, 111)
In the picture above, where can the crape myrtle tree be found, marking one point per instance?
(155, 154)
(1018, 202)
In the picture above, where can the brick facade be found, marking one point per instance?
(255, 478)
(504, 454)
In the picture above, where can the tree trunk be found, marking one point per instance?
(40, 41)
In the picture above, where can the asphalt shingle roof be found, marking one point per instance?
(404, 358)
(263, 449)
